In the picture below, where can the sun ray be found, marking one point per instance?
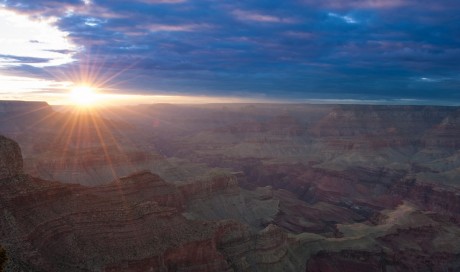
(83, 96)
(107, 155)
(66, 133)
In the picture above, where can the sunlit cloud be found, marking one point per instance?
(427, 79)
(175, 28)
(22, 38)
(16, 84)
(244, 15)
(346, 18)
(32, 89)
(93, 22)
(432, 79)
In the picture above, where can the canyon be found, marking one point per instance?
(230, 187)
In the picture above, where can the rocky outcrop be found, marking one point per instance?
(195, 256)
(218, 183)
(134, 223)
(446, 134)
(312, 184)
(268, 250)
(10, 159)
(124, 226)
(432, 197)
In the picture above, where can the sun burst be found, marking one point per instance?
(83, 96)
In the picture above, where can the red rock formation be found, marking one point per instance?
(70, 227)
(131, 224)
(432, 197)
(126, 225)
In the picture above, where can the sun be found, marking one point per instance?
(83, 96)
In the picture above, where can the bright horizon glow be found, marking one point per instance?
(118, 99)
(83, 96)
(112, 100)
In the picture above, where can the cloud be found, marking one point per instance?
(308, 48)
(427, 79)
(94, 22)
(384, 5)
(434, 79)
(346, 18)
(176, 28)
(244, 15)
(363, 4)
(162, 1)
(366, 4)
(299, 34)
(10, 59)
(34, 42)
(28, 84)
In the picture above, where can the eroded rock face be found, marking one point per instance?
(10, 158)
(134, 223)
(347, 188)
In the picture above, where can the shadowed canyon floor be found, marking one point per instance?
(230, 187)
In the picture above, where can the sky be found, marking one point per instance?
(395, 51)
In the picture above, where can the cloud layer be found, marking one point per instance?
(329, 49)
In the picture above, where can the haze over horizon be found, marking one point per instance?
(360, 51)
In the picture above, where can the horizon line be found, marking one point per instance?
(382, 102)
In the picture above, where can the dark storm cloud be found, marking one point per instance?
(290, 49)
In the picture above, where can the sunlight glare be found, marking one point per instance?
(83, 96)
